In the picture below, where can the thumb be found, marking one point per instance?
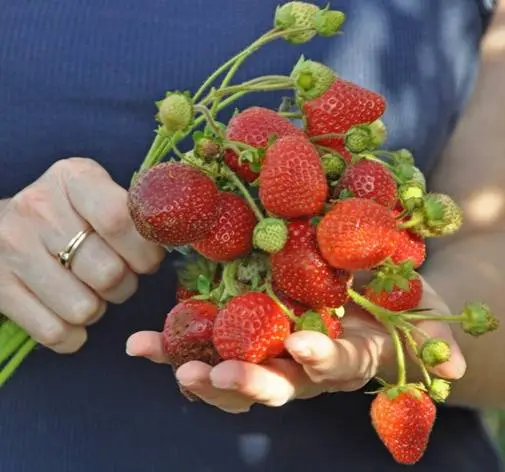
(147, 344)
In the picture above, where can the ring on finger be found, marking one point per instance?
(65, 257)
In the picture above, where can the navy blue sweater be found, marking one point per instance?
(79, 79)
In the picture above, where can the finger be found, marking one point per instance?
(195, 376)
(328, 362)
(44, 326)
(148, 344)
(99, 267)
(455, 367)
(271, 384)
(60, 290)
(105, 208)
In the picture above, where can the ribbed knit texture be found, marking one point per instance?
(80, 78)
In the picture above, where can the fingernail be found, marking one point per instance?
(224, 383)
(185, 379)
(301, 349)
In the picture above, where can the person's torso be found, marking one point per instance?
(80, 79)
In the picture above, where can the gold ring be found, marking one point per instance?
(65, 257)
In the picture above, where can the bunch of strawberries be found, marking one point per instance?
(277, 212)
(275, 221)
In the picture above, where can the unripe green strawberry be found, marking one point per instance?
(411, 195)
(434, 352)
(419, 178)
(478, 319)
(441, 216)
(296, 15)
(175, 112)
(439, 390)
(328, 22)
(333, 165)
(311, 79)
(361, 138)
(270, 235)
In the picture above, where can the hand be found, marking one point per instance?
(319, 364)
(52, 303)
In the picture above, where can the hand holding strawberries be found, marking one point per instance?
(318, 365)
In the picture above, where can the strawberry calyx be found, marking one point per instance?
(437, 216)
(311, 79)
(390, 276)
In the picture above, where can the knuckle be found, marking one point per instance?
(74, 166)
(151, 262)
(85, 309)
(110, 274)
(32, 202)
(53, 334)
(113, 221)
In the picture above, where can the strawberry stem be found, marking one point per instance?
(207, 114)
(327, 136)
(382, 314)
(400, 355)
(416, 219)
(275, 298)
(229, 174)
(291, 114)
(12, 343)
(412, 342)
(434, 317)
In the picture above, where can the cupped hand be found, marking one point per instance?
(52, 303)
(318, 364)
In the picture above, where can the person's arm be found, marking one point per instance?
(471, 265)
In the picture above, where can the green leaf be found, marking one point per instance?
(311, 321)
(203, 284)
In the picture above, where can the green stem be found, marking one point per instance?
(16, 360)
(449, 318)
(230, 175)
(239, 145)
(291, 114)
(416, 219)
(380, 313)
(327, 136)
(263, 39)
(210, 119)
(12, 344)
(262, 87)
(412, 342)
(275, 298)
(400, 355)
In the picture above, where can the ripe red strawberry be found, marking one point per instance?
(173, 204)
(357, 234)
(254, 126)
(251, 327)
(187, 333)
(231, 235)
(292, 179)
(410, 246)
(182, 293)
(301, 273)
(342, 106)
(403, 420)
(369, 179)
(397, 299)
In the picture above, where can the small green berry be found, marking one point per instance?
(270, 235)
(328, 22)
(333, 165)
(478, 319)
(296, 15)
(435, 352)
(175, 112)
(439, 390)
